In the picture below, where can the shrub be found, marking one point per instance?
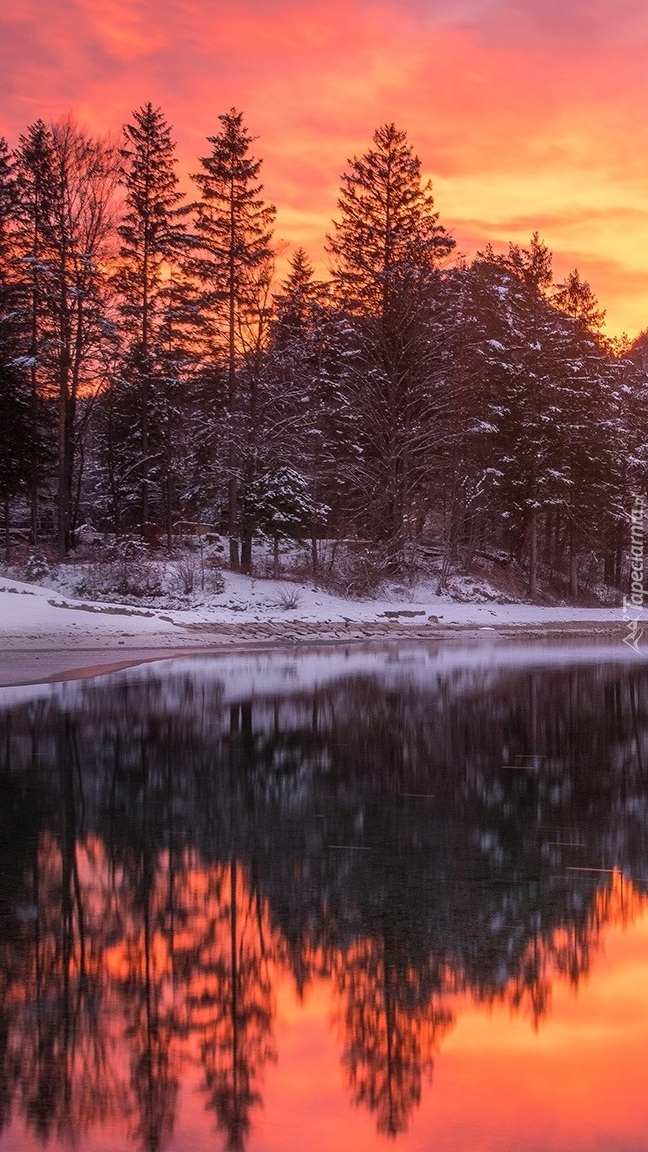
(36, 567)
(184, 573)
(288, 597)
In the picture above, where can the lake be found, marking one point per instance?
(389, 898)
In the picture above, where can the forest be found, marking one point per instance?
(157, 375)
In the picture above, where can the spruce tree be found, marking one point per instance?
(387, 249)
(543, 393)
(154, 237)
(521, 346)
(234, 229)
(37, 188)
(590, 416)
(306, 420)
(16, 450)
(388, 232)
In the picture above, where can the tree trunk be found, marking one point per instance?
(231, 383)
(145, 452)
(64, 486)
(573, 562)
(7, 540)
(61, 470)
(246, 554)
(34, 406)
(275, 558)
(169, 515)
(533, 560)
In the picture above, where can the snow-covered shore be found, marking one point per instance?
(45, 634)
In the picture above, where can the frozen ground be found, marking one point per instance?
(45, 633)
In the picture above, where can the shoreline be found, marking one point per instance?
(49, 660)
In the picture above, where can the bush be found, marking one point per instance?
(216, 581)
(358, 571)
(288, 597)
(36, 567)
(185, 572)
(188, 575)
(131, 576)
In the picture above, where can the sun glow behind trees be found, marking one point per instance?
(527, 115)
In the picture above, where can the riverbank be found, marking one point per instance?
(45, 635)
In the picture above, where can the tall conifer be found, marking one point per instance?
(234, 227)
(153, 236)
(15, 422)
(37, 190)
(386, 250)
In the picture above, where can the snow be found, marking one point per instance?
(29, 608)
(44, 632)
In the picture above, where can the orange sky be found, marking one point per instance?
(526, 113)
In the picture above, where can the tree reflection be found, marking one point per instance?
(393, 1019)
(229, 998)
(147, 985)
(61, 1048)
(165, 854)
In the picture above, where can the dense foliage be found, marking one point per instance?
(154, 372)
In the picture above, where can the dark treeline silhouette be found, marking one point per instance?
(154, 372)
(167, 850)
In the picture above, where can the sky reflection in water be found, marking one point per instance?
(387, 901)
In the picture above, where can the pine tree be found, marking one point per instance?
(15, 419)
(234, 228)
(590, 418)
(154, 237)
(388, 233)
(386, 254)
(37, 188)
(544, 391)
(458, 509)
(306, 419)
(521, 347)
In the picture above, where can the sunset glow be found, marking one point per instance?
(483, 1075)
(526, 115)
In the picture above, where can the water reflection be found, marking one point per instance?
(175, 846)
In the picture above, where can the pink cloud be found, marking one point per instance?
(503, 90)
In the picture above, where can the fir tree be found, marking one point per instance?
(306, 418)
(234, 228)
(154, 237)
(386, 252)
(388, 231)
(37, 187)
(15, 420)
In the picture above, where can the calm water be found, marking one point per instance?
(329, 901)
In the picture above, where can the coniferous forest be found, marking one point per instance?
(156, 372)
